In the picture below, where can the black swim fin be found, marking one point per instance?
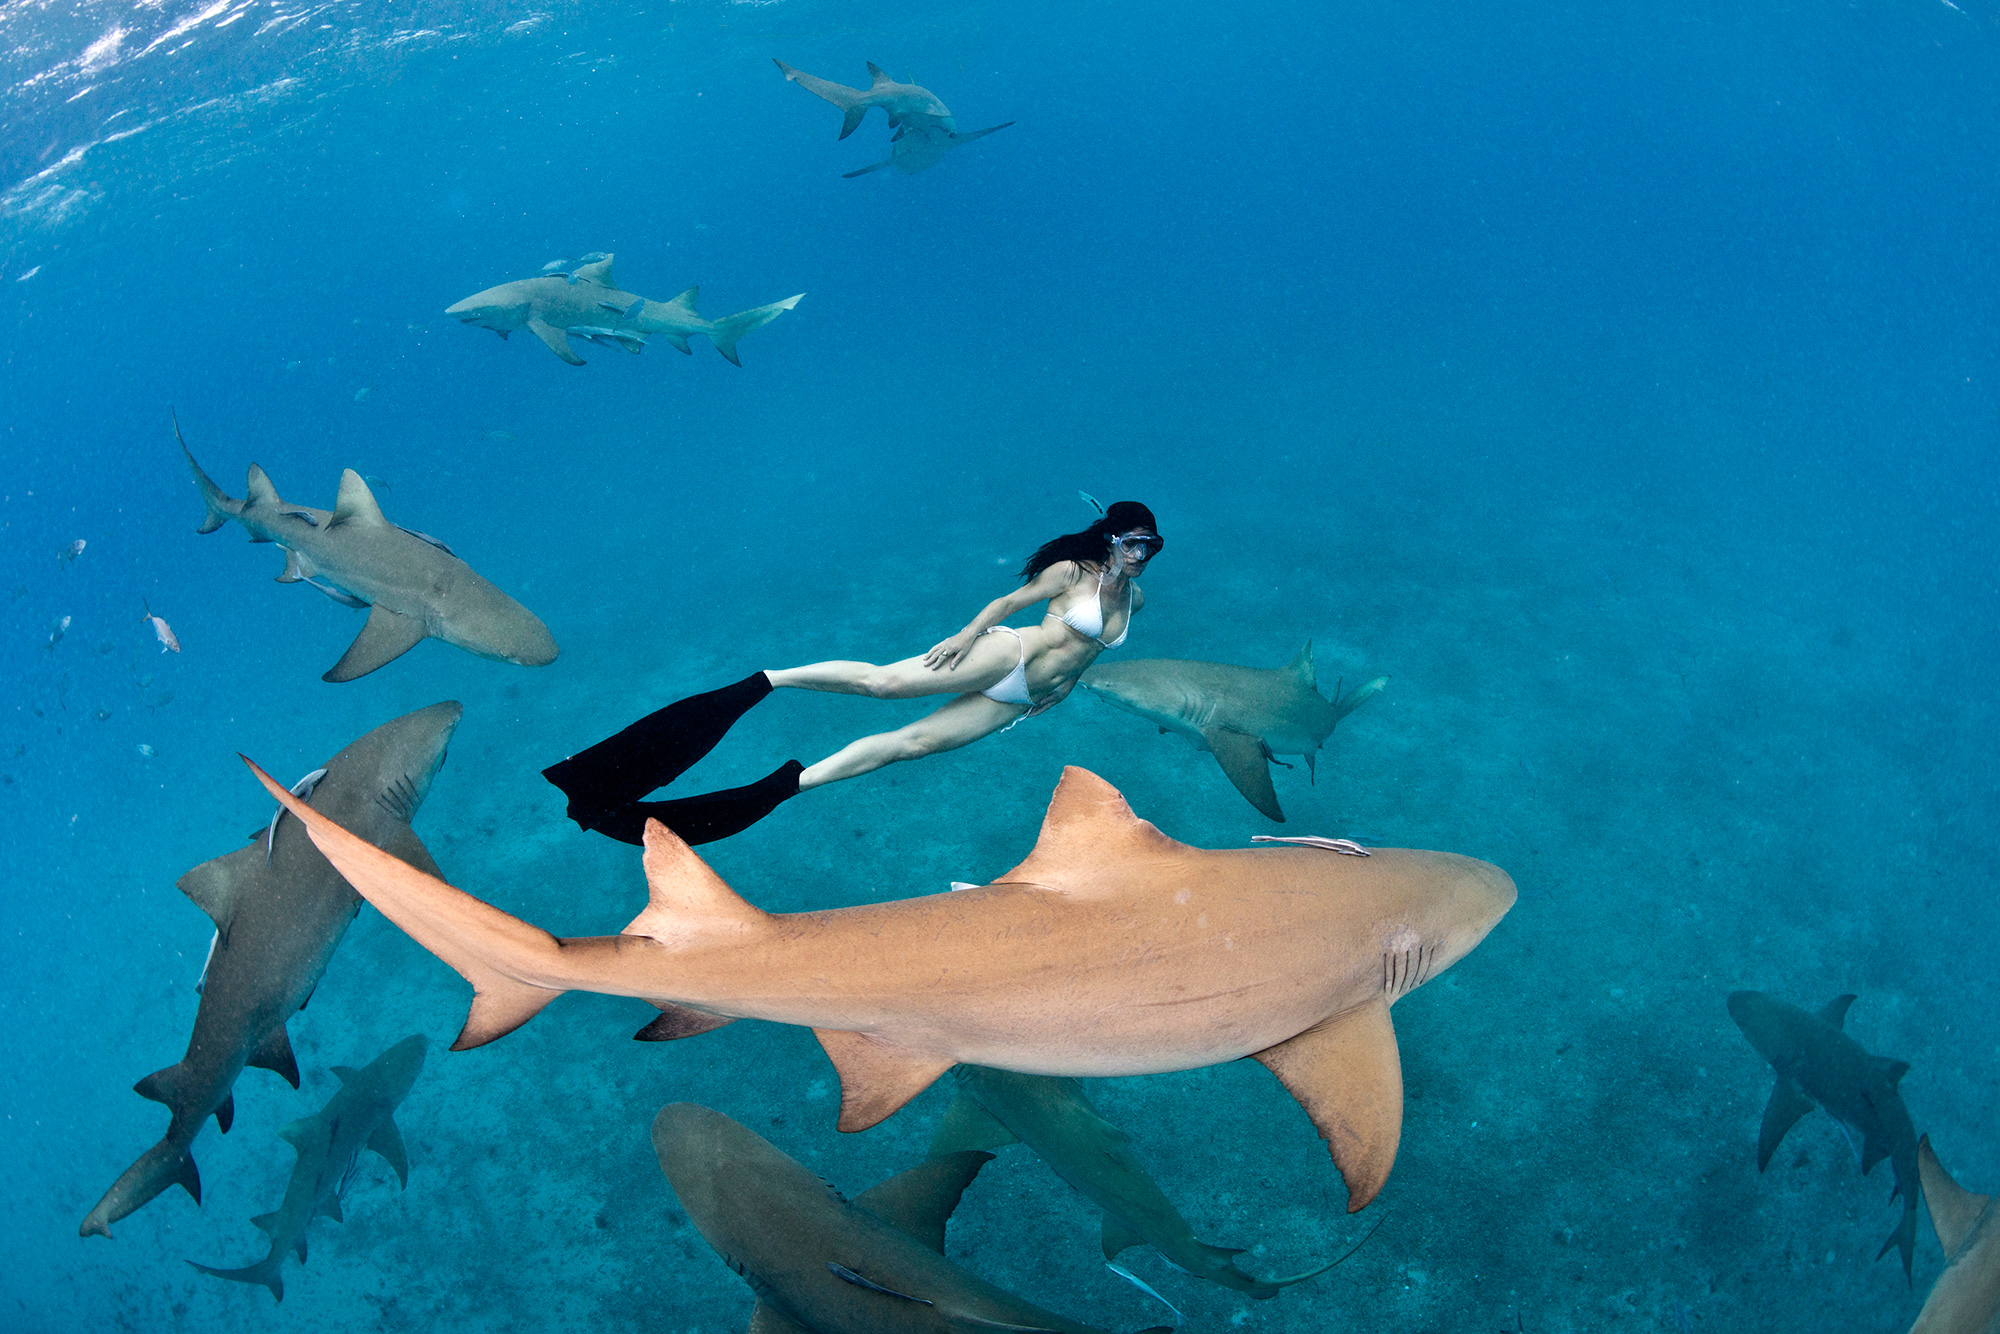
(708, 817)
(653, 751)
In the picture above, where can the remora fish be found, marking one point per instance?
(413, 585)
(1817, 1063)
(278, 917)
(916, 148)
(1112, 950)
(905, 104)
(1966, 1296)
(587, 302)
(821, 1264)
(1244, 716)
(362, 1115)
(1054, 1118)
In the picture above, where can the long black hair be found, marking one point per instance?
(1093, 544)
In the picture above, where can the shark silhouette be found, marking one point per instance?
(821, 1264)
(414, 586)
(586, 302)
(279, 912)
(904, 104)
(1966, 1296)
(1818, 1064)
(362, 1115)
(1244, 716)
(1053, 1117)
(915, 148)
(1112, 950)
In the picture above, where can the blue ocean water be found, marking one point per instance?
(1619, 381)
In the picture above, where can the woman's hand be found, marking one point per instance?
(947, 653)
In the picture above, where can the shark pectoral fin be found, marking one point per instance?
(876, 1076)
(294, 568)
(1954, 1209)
(967, 1125)
(768, 1319)
(1242, 758)
(957, 139)
(920, 1200)
(678, 1021)
(387, 636)
(274, 1053)
(1088, 822)
(1348, 1076)
(1119, 1237)
(388, 1141)
(851, 122)
(557, 340)
(1788, 1103)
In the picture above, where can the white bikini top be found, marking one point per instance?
(1087, 617)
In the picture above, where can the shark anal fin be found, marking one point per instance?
(1242, 757)
(225, 1113)
(678, 1021)
(387, 636)
(680, 341)
(768, 1319)
(1119, 1237)
(1788, 1103)
(557, 340)
(920, 1200)
(294, 568)
(967, 1125)
(1954, 1209)
(1348, 1076)
(388, 1141)
(876, 1076)
(274, 1053)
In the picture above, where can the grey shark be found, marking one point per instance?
(921, 147)
(362, 1115)
(414, 586)
(905, 104)
(1966, 1296)
(1244, 716)
(821, 1264)
(279, 912)
(584, 301)
(1818, 1064)
(1053, 1117)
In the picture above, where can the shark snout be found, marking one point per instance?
(491, 309)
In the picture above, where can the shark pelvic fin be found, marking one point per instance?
(967, 1125)
(295, 569)
(1348, 1075)
(876, 1076)
(1244, 758)
(387, 636)
(1088, 822)
(680, 341)
(355, 504)
(920, 1200)
(1954, 1209)
(258, 490)
(680, 1021)
(388, 1141)
(1119, 1238)
(274, 1053)
(1788, 1103)
(557, 340)
(1835, 1010)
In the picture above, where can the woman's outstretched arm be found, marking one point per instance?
(1039, 589)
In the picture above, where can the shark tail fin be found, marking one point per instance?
(839, 94)
(732, 327)
(265, 1271)
(1904, 1239)
(165, 1164)
(220, 508)
(1355, 698)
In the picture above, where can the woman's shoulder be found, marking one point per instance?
(1061, 575)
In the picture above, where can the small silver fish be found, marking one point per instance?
(161, 630)
(56, 632)
(68, 554)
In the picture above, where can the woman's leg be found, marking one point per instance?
(957, 723)
(989, 659)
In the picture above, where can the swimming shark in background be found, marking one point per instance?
(1244, 716)
(821, 1264)
(414, 586)
(361, 1115)
(279, 912)
(1053, 1118)
(905, 104)
(919, 148)
(1112, 950)
(1818, 1064)
(1966, 1296)
(584, 301)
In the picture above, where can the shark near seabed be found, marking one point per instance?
(1112, 950)
(1244, 716)
(279, 911)
(414, 586)
(585, 302)
(1966, 1296)
(1817, 1063)
(821, 1264)
(362, 1115)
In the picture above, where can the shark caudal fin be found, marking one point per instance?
(265, 1271)
(513, 967)
(732, 327)
(849, 100)
(220, 508)
(165, 1164)
(1904, 1239)
(1355, 698)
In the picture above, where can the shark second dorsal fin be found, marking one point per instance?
(684, 303)
(920, 1200)
(1954, 1209)
(876, 76)
(257, 490)
(876, 1077)
(1088, 825)
(1835, 1010)
(1348, 1075)
(684, 896)
(598, 271)
(1301, 666)
(356, 504)
(967, 1125)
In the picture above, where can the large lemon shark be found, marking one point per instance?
(1966, 1296)
(414, 586)
(1244, 716)
(1112, 950)
(905, 104)
(584, 300)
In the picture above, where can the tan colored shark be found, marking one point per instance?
(584, 301)
(905, 104)
(1244, 716)
(915, 148)
(279, 911)
(1112, 950)
(1966, 1296)
(414, 586)
(821, 1264)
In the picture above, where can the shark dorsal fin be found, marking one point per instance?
(920, 1200)
(356, 504)
(967, 1125)
(876, 76)
(216, 884)
(684, 304)
(1301, 666)
(1089, 825)
(684, 897)
(1835, 1010)
(258, 490)
(598, 272)
(1954, 1209)
(1892, 1069)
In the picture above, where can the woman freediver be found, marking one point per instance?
(999, 673)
